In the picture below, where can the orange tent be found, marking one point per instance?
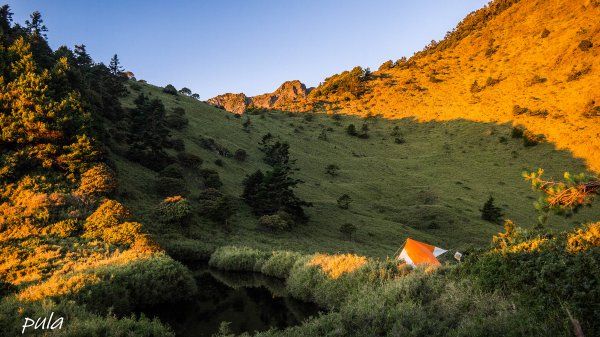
(416, 252)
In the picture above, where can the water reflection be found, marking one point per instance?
(250, 301)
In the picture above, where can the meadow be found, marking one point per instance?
(425, 180)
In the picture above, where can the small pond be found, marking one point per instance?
(250, 301)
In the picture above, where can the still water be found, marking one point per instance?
(250, 301)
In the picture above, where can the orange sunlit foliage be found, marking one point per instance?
(338, 264)
(584, 238)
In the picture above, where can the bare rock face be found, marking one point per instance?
(236, 103)
(290, 91)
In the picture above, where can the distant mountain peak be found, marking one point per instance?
(288, 92)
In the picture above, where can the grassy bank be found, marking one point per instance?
(520, 287)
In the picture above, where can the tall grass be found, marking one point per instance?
(383, 298)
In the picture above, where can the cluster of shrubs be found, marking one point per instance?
(364, 131)
(529, 138)
(471, 23)
(176, 119)
(545, 272)
(211, 145)
(171, 181)
(215, 205)
(348, 82)
(518, 110)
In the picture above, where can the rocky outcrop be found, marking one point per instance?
(236, 103)
(288, 92)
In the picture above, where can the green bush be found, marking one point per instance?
(215, 205)
(185, 249)
(170, 89)
(238, 258)
(344, 201)
(189, 160)
(177, 122)
(167, 187)
(176, 144)
(135, 86)
(348, 229)
(332, 170)
(517, 131)
(211, 178)
(172, 171)
(179, 111)
(351, 130)
(174, 210)
(280, 263)
(585, 45)
(240, 155)
(273, 222)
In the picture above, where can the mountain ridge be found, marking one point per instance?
(529, 62)
(288, 92)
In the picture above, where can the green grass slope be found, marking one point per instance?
(430, 187)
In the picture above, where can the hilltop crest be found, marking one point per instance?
(533, 63)
(289, 92)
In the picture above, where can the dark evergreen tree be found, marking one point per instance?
(276, 152)
(148, 132)
(36, 26)
(82, 58)
(273, 191)
(115, 66)
(491, 212)
(5, 20)
(215, 205)
(351, 130)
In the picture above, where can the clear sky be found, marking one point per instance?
(245, 46)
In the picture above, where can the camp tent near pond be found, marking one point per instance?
(416, 252)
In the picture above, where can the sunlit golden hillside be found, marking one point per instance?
(529, 62)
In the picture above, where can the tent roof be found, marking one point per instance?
(416, 252)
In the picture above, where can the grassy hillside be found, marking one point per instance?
(535, 54)
(430, 187)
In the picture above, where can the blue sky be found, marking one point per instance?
(245, 46)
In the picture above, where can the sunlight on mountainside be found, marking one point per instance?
(533, 63)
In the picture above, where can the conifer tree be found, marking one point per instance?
(491, 212)
(36, 26)
(82, 58)
(273, 191)
(115, 66)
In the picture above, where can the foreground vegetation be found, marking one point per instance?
(66, 246)
(531, 283)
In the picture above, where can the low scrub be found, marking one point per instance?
(521, 287)
(120, 287)
(78, 320)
